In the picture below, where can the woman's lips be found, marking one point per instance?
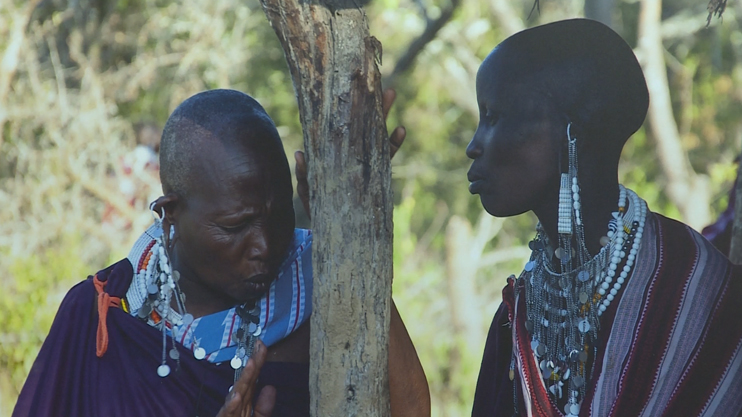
(476, 182)
(476, 186)
(259, 282)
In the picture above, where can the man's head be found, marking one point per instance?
(530, 88)
(228, 193)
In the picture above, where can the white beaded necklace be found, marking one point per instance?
(156, 283)
(563, 308)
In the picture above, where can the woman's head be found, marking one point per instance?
(228, 193)
(530, 88)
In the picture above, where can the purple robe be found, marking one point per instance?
(669, 345)
(68, 379)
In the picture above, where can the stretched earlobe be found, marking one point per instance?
(165, 207)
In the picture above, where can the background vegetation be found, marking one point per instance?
(83, 82)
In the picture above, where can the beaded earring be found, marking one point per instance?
(564, 302)
(161, 283)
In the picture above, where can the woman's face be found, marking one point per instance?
(234, 228)
(516, 145)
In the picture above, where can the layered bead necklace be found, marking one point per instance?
(156, 284)
(563, 305)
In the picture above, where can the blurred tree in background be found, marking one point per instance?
(85, 83)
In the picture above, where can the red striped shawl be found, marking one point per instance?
(669, 346)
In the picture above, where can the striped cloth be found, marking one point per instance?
(671, 345)
(286, 305)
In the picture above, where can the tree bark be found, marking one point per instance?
(685, 188)
(332, 60)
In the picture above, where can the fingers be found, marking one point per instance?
(266, 402)
(231, 407)
(302, 183)
(239, 400)
(396, 139)
(387, 99)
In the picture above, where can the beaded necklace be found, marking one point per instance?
(157, 285)
(563, 308)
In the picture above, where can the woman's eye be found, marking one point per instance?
(236, 227)
(233, 228)
(492, 117)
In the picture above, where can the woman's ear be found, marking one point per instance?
(166, 208)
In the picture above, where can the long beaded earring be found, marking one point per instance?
(162, 283)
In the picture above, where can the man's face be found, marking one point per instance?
(516, 145)
(234, 228)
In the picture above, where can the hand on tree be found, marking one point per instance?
(239, 401)
(395, 142)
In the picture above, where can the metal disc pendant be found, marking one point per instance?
(241, 352)
(199, 353)
(583, 276)
(578, 381)
(163, 370)
(583, 326)
(144, 311)
(582, 356)
(152, 289)
(574, 409)
(176, 276)
(251, 327)
(235, 363)
(257, 331)
(187, 319)
(529, 326)
(534, 344)
(529, 266)
(174, 354)
(583, 298)
(559, 253)
(541, 349)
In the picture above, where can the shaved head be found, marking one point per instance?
(583, 69)
(226, 118)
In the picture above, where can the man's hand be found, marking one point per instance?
(395, 141)
(239, 401)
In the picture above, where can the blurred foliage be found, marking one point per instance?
(29, 303)
(86, 73)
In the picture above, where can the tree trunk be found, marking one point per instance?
(686, 189)
(600, 10)
(332, 60)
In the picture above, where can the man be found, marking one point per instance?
(179, 324)
(620, 311)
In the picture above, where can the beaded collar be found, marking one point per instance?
(563, 308)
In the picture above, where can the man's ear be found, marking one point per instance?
(167, 208)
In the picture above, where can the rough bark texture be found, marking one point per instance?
(332, 60)
(686, 188)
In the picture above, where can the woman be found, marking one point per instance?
(218, 288)
(620, 311)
